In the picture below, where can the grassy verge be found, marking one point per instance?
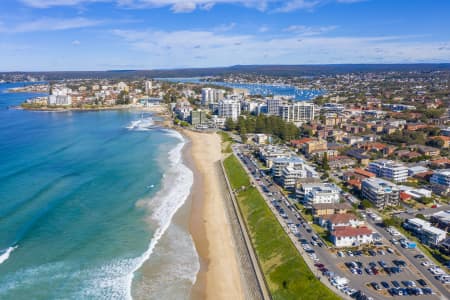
(287, 275)
(226, 142)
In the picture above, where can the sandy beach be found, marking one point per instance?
(220, 276)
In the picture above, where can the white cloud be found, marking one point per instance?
(50, 24)
(76, 42)
(184, 6)
(225, 27)
(298, 4)
(263, 29)
(50, 3)
(309, 30)
(164, 49)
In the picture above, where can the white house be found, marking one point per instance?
(347, 236)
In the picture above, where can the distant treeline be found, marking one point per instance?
(269, 70)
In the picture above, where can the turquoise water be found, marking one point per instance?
(70, 226)
(259, 89)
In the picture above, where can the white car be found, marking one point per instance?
(425, 263)
(436, 271)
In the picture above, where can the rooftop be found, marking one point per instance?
(344, 231)
(340, 218)
(339, 206)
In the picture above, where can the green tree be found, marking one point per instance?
(365, 204)
(393, 221)
(325, 165)
(229, 124)
(123, 98)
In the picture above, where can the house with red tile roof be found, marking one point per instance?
(336, 220)
(347, 236)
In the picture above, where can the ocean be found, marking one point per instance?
(87, 206)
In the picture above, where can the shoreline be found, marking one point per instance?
(220, 275)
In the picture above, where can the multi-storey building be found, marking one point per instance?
(273, 105)
(279, 163)
(298, 113)
(318, 193)
(198, 117)
(381, 193)
(148, 87)
(211, 96)
(389, 169)
(424, 231)
(60, 97)
(229, 108)
(441, 177)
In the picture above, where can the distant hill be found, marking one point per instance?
(272, 70)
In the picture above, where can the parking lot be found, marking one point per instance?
(385, 272)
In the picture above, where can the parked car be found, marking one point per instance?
(376, 286)
(422, 282)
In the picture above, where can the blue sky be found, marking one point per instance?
(38, 35)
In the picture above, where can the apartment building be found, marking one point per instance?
(441, 177)
(319, 193)
(389, 169)
(211, 96)
(298, 113)
(380, 192)
(229, 108)
(278, 164)
(273, 105)
(427, 233)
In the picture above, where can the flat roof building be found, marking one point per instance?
(389, 169)
(381, 193)
(427, 233)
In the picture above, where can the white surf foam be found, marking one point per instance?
(114, 280)
(143, 124)
(4, 257)
(175, 190)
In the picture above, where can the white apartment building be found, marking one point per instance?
(298, 113)
(211, 96)
(389, 169)
(273, 105)
(320, 193)
(289, 177)
(380, 192)
(229, 108)
(279, 163)
(60, 96)
(424, 231)
(148, 87)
